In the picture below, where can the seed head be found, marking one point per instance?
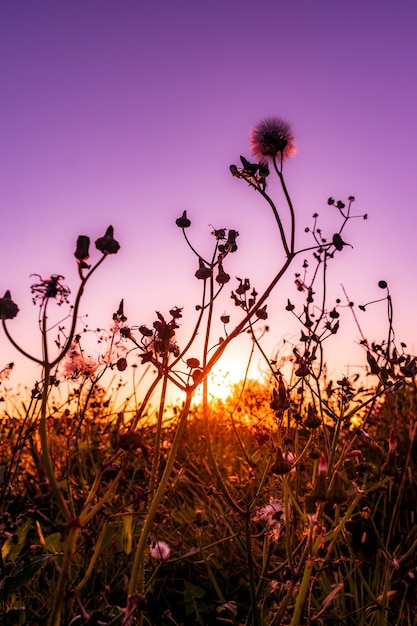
(272, 137)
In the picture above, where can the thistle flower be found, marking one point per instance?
(272, 137)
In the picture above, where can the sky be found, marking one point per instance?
(128, 113)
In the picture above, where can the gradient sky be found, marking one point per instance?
(127, 113)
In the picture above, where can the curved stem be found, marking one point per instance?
(17, 347)
(80, 292)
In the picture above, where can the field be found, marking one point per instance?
(292, 501)
(246, 532)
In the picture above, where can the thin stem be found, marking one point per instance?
(138, 562)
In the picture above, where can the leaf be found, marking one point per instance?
(22, 574)
(14, 544)
(15, 616)
(126, 538)
(193, 593)
(54, 544)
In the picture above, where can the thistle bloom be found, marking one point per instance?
(272, 137)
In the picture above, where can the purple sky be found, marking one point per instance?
(127, 113)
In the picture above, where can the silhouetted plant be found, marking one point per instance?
(281, 505)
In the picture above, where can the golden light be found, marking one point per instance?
(220, 385)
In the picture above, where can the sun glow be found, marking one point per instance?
(220, 384)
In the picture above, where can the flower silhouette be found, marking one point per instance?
(272, 137)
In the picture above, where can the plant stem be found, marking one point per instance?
(54, 617)
(138, 562)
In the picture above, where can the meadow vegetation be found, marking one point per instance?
(292, 501)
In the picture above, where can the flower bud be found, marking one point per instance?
(261, 313)
(312, 420)
(336, 492)
(222, 277)
(281, 465)
(107, 244)
(203, 271)
(8, 308)
(82, 251)
(193, 363)
(183, 221)
(121, 364)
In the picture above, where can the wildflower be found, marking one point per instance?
(183, 221)
(197, 376)
(130, 440)
(262, 313)
(160, 550)
(121, 364)
(176, 312)
(81, 253)
(230, 245)
(314, 452)
(338, 242)
(5, 372)
(222, 277)
(50, 288)
(336, 492)
(108, 244)
(281, 465)
(8, 308)
(312, 420)
(203, 271)
(146, 332)
(192, 363)
(279, 400)
(76, 365)
(319, 491)
(272, 137)
(273, 516)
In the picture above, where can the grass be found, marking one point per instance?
(353, 560)
(291, 502)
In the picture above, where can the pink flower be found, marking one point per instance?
(76, 365)
(271, 137)
(160, 550)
